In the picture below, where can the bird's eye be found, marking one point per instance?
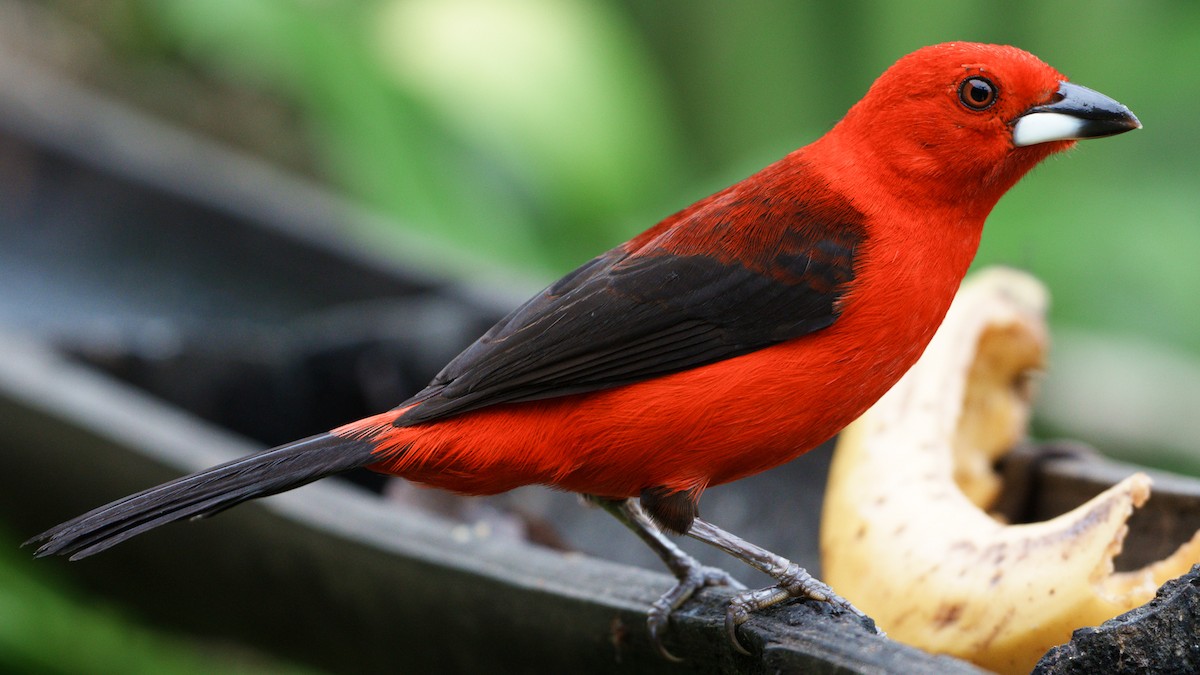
(977, 93)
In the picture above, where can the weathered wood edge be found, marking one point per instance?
(1158, 637)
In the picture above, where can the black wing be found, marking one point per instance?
(629, 316)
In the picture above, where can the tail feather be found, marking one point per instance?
(205, 493)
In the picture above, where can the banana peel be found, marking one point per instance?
(905, 535)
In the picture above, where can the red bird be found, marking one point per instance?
(729, 338)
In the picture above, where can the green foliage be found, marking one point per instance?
(525, 127)
(540, 132)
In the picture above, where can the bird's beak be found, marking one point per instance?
(1074, 112)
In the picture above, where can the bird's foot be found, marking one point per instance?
(692, 576)
(690, 573)
(794, 582)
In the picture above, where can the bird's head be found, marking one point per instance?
(967, 120)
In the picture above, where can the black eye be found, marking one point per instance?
(977, 93)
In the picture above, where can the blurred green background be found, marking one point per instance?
(535, 133)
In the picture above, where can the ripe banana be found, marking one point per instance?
(905, 536)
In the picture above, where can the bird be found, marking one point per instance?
(729, 338)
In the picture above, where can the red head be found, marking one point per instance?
(965, 120)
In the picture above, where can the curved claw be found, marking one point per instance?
(735, 615)
(799, 583)
(742, 605)
(696, 577)
(656, 623)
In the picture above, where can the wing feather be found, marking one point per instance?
(728, 276)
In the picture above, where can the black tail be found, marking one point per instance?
(204, 493)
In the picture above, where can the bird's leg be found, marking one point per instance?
(691, 575)
(794, 581)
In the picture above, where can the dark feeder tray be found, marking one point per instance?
(164, 301)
